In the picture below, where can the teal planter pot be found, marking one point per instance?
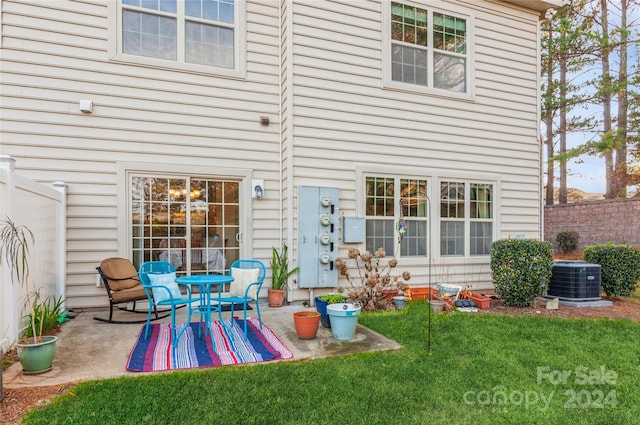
(37, 358)
(344, 319)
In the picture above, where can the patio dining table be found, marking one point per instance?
(205, 282)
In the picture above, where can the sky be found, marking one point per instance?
(588, 176)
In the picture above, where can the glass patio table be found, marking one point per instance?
(205, 282)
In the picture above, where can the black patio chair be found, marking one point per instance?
(120, 279)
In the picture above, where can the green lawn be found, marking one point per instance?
(482, 369)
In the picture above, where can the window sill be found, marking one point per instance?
(421, 90)
(178, 67)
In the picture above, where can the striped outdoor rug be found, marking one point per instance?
(154, 353)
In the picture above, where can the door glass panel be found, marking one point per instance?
(186, 221)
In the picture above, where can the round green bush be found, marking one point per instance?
(521, 269)
(568, 241)
(620, 267)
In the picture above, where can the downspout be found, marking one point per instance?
(280, 135)
(289, 147)
(548, 15)
(538, 134)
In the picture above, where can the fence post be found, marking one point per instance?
(8, 312)
(61, 239)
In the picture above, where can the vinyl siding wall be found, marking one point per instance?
(314, 68)
(345, 121)
(55, 53)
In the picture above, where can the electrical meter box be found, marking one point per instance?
(317, 237)
(353, 230)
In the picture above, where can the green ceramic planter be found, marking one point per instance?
(37, 358)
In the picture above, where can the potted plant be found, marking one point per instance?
(280, 274)
(323, 301)
(35, 350)
(372, 279)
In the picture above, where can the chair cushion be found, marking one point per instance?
(120, 273)
(131, 294)
(168, 280)
(241, 279)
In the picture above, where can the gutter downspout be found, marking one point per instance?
(538, 135)
(290, 186)
(287, 147)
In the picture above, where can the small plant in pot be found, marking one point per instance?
(36, 350)
(323, 301)
(371, 278)
(280, 274)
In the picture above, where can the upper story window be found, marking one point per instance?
(198, 35)
(428, 48)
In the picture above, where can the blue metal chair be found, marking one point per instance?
(158, 280)
(248, 277)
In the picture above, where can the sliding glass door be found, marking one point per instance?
(192, 222)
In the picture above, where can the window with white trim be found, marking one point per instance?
(428, 48)
(396, 215)
(466, 218)
(193, 34)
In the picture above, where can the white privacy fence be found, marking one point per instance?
(42, 208)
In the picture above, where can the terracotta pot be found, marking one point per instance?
(422, 293)
(388, 294)
(481, 301)
(306, 323)
(275, 297)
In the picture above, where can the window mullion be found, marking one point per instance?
(430, 48)
(397, 212)
(467, 219)
(181, 32)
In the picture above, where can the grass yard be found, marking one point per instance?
(482, 369)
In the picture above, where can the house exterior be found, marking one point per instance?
(187, 131)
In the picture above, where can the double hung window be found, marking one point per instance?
(428, 48)
(196, 34)
(396, 215)
(399, 215)
(466, 218)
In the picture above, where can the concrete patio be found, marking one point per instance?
(88, 349)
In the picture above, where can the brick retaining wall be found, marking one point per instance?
(615, 220)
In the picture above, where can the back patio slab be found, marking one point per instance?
(90, 350)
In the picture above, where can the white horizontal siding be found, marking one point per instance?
(55, 53)
(343, 118)
(319, 80)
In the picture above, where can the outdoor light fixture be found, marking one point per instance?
(257, 188)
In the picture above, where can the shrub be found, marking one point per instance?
(521, 269)
(620, 267)
(568, 241)
(371, 274)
